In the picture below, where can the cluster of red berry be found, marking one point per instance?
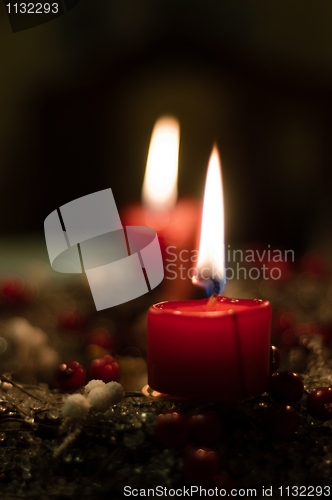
(286, 388)
(71, 376)
(15, 291)
(200, 435)
(202, 466)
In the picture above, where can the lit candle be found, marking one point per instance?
(216, 348)
(174, 220)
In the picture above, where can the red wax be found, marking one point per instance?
(176, 227)
(219, 354)
(177, 232)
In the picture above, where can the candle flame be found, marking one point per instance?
(161, 174)
(211, 255)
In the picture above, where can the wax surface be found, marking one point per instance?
(209, 355)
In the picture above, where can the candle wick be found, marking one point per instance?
(211, 305)
(216, 287)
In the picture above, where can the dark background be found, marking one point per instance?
(79, 97)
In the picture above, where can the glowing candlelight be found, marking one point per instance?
(211, 255)
(217, 348)
(174, 220)
(161, 174)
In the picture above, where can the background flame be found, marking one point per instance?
(161, 174)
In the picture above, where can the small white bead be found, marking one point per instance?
(92, 385)
(100, 398)
(76, 406)
(116, 391)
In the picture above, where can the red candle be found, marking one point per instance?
(212, 349)
(175, 227)
(174, 221)
(215, 355)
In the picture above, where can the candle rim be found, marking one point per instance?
(256, 304)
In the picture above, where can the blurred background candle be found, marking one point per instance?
(260, 84)
(210, 349)
(174, 220)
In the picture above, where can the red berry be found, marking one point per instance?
(275, 358)
(205, 428)
(16, 291)
(70, 376)
(200, 465)
(282, 419)
(70, 320)
(319, 403)
(286, 387)
(105, 368)
(101, 337)
(171, 429)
